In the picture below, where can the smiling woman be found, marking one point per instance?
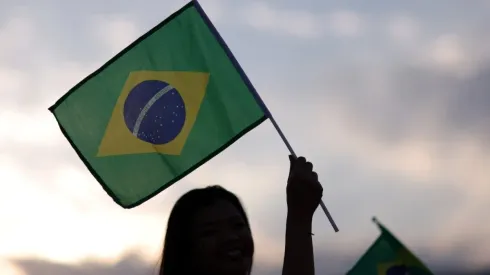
(208, 232)
(199, 220)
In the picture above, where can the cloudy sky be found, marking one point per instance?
(389, 99)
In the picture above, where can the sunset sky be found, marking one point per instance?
(389, 99)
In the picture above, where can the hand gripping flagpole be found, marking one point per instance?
(271, 118)
(322, 204)
(257, 97)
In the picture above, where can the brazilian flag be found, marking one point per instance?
(165, 105)
(388, 256)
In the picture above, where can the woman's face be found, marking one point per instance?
(223, 241)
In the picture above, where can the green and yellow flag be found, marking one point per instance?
(159, 109)
(388, 256)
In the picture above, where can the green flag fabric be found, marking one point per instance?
(162, 107)
(388, 256)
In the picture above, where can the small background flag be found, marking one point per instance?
(388, 256)
(162, 107)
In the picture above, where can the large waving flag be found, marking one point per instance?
(388, 256)
(162, 107)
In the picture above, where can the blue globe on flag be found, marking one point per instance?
(154, 112)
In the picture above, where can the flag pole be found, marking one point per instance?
(256, 95)
(322, 204)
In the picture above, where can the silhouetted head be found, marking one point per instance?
(208, 233)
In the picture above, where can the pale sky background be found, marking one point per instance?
(389, 99)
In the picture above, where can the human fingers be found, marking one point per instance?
(302, 165)
(314, 176)
(308, 167)
(296, 165)
(305, 169)
(300, 161)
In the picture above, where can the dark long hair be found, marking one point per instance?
(178, 241)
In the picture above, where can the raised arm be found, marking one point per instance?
(304, 193)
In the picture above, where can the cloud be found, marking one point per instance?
(11, 80)
(16, 34)
(133, 264)
(455, 54)
(9, 268)
(346, 23)
(454, 50)
(22, 128)
(303, 24)
(296, 23)
(404, 29)
(406, 142)
(427, 129)
(218, 10)
(115, 32)
(67, 217)
(447, 52)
